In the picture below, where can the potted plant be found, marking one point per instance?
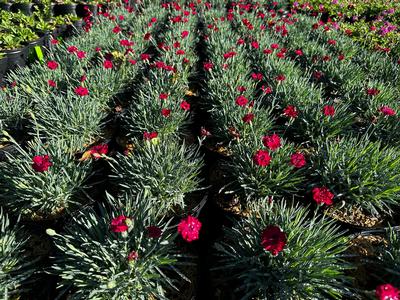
(64, 8)
(86, 8)
(281, 252)
(168, 170)
(5, 5)
(44, 181)
(389, 257)
(24, 6)
(3, 64)
(11, 45)
(357, 179)
(45, 28)
(131, 245)
(15, 265)
(74, 24)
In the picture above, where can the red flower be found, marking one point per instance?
(54, 42)
(273, 142)
(83, 78)
(341, 57)
(273, 239)
(328, 110)
(81, 54)
(81, 91)
(348, 32)
(189, 228)
(208, 66)
(331, 42)
(257, 76)
(165, 112)
(267, 51)
(255, 44)
(41, 163)
(116, 29)
(72, 49)
(241, 100)
(52, 65)
(298, 52)
(387, 292)
(317, 74)
(274, 46)
(51, 83)
(248, 118)
(180, 52)
(97, 49)
(280, 77)
(373, 92)
(280, 55)
(144, 56)
(154, 231)
(185, 105)
(107, 64)
(184, 34)
(119, 224)
(387, 111)
(291, 111)
(297, 160)
(267, 90)
(147, 36)
(132, 62)
(163, 96)
(240, 41)
(149, 135)
(322, 195)
(326, 58)
(262, 158)
(125, 43)
(176, 45)
(229, 54)
(99, 150)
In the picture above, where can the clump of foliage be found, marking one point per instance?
(15, 267)
(277, 252)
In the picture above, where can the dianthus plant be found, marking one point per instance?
(15, 266)
(123, 252)
(277, 252)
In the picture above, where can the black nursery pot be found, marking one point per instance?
(46, 38)
(5, 6)
(81, 11)
(61, 30)
(16, 58)
(3, 66)
(25, 8)
(64, 9)
(73, 29)
(38, 42)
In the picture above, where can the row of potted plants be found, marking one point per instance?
(156, 119)
(23, 38)
(50, 8)
(285, 140)
(152, 175)
(23, 34)
(129, 222)
(289, 83)
(373, 24)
